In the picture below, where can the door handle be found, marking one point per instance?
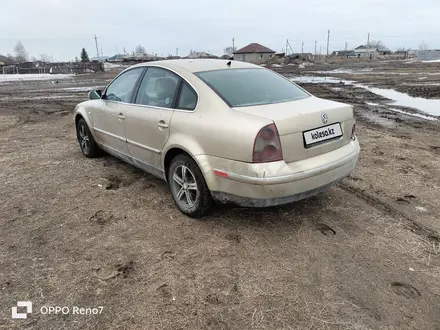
(162, 124)
(121, 116)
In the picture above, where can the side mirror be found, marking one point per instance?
(96, 94)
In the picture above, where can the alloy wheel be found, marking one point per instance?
(185, 187)
(84, 139)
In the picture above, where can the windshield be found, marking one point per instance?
(248, 87)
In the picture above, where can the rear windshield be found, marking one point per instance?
(248, 87)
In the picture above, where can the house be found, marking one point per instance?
(145, 57)
(384, 51)
(117, 58)
(194, 54)
(101, 58)
(254, 53)
(366, 51)
(5, 60)
(344, 53)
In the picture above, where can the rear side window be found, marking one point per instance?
(158, 88)
(248, 87)
(187, 99)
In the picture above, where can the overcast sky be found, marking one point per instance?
(63, 27)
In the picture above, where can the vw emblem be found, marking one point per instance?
(324, 118)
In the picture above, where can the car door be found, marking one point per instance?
(108, 117)
(148, 123)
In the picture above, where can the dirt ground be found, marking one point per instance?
(88, 233)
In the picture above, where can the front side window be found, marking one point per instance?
(158, 88)
(121, 89)
(249, 87)
(187, 98)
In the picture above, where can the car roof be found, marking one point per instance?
(197, 65)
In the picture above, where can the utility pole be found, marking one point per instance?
(346, 45)
(233, 45)
(97, 49)
(368, 40)
(302, 47)
(315, 46)
(328, 40)
(177, 51)
(287, 43)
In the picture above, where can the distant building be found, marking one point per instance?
(366, 51)
(384, 51)
(145, 57)
(5, 60)
(344, 53)
(200, 55)
(101, 58)
(117, 58)
(254, 53)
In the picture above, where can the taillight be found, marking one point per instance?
(353, 131)
(267, 145)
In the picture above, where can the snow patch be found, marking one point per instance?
(33, 77)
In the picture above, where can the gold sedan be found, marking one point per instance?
(219, 130)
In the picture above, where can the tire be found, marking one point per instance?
(86, 141)
(186, 179)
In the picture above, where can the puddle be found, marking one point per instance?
(405, 112)
(319, 80)
(81, 89)
(41, 97)
(430, 106)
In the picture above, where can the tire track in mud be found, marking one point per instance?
(417, 228)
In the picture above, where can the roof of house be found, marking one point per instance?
(200, 55)
(5, 60)
(343, 52)
(254, 48)
(117, 57)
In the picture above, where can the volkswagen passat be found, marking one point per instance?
(219, 130)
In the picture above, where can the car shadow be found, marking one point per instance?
(288, 215)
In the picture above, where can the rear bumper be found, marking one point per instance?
(226, 198)
(268, 184)
(297, 176)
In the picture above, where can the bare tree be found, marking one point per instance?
(11, 57)
(376, 44)
(423, 45)
(44, 58)
(140, 49)
(20, 53)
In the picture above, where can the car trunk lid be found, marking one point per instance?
(305, 125)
